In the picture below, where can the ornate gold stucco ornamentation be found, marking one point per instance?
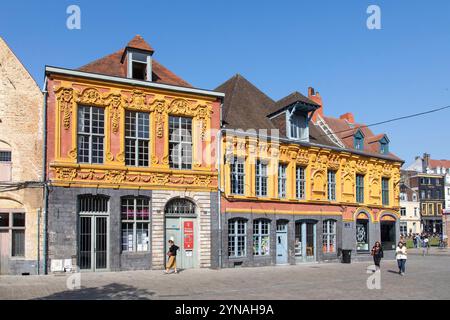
(137, 101)
(109, 156)
(65, 100)
(120, 157)
(90, 96)
(73, 154)
(66, 173)
(361, 166)
(348, 176)
(159, 107)
(114, 101)
(334, 162)
(115, 176)
(302, 157)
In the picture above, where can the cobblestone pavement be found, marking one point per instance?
(427, 278)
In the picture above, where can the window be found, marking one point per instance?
(14, 224)
(5, 165)
(329, 236)
(415, 211)
(403, 228)
(430, 209)
(403, 196)
(384, 145)
(424, 209)
(422, 194)
(385, 191)
(91, 133)
(362, 234)
(438, 209)
(359, 188)
(237, 176)
(136, 139)
(135, 214)
(261, 237)
(403, 212)
(428, 194)
(180, 206)
(359, 140)
(180, 142)
(414, 197)
(5, 156)
(261, 179)
(237, 238)
(298, 127)
(438, 194)
(300, 182)
(331, 185)
(282, 179)
(139, 66)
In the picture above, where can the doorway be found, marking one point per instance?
(282, 242)
(305, 241)
(181, 227)
(388, 235)
(93, 234)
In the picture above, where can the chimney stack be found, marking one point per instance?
(425, 162)
(315, 97)
(348, 116)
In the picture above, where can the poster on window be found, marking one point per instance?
(188, 235)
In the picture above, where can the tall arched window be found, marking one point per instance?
(180, 207)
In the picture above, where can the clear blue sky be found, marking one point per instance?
(280, 46)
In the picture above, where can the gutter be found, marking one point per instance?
(132, 82)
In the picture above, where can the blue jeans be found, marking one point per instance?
(401, 265)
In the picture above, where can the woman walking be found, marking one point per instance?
(401, 256)
(377, 253)
(172, 254)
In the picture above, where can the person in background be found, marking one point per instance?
(425, 245)
(415, 241)
(172, 254)
(401, 255)
(377, 253)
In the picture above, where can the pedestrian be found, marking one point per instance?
(425, 245)
(401, 256)
(172, 254)
(377, 253)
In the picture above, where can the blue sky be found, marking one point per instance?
(280, 46)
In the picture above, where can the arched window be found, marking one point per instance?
(237, 238)
(329, 236)
(261, 237)
(180, 207)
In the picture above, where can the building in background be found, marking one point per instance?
(432, 186)
(298, 186)
(410, 218)
(131, 164)
(21, 167)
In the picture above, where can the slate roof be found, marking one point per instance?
(289, 100)
(113, 65)
(246, 107)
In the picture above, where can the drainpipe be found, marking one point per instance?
(38, 264)
(44, 177)
(219, 193)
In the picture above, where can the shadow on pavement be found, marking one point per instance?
(113, 291)
(393, 271)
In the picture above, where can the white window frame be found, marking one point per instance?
(11, 229)
(261, 178)
(135, 222)
(329, 236)
(131, 61)
(237, 176)
(297, 126)
(140, 159)
(237, 237)
(261, 233)
(90, 135)
(184, 143)
(331, 185)
(300, 182)
(282, 180)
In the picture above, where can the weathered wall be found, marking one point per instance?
(21, 125)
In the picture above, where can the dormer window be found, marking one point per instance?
(139, 66)
(384, 145)
(359, 140)
(297, 125)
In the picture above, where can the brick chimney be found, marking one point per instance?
(315, 96)
(348, 116)
(425, 162)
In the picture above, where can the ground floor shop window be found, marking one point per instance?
(298, 239)
(237, 238)
(403, 228)
(135, 214)
(261, 237)
(362, 234)
(329, 236)
(14, 223)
